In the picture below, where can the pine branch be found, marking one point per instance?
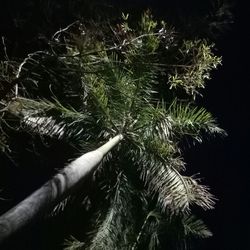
(192, 121)
(195, 227)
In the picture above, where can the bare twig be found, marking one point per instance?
(5, 49)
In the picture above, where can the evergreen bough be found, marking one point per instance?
(139, 80)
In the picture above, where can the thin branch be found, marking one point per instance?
(63, 30)
(138, 238)
(5, 49)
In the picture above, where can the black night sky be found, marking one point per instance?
(226, 162)
(223, 162)
(226, 167)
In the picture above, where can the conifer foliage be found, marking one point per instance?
(135, 78)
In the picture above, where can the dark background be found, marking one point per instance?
(223, 162)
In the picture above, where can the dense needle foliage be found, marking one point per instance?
(137, 79)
